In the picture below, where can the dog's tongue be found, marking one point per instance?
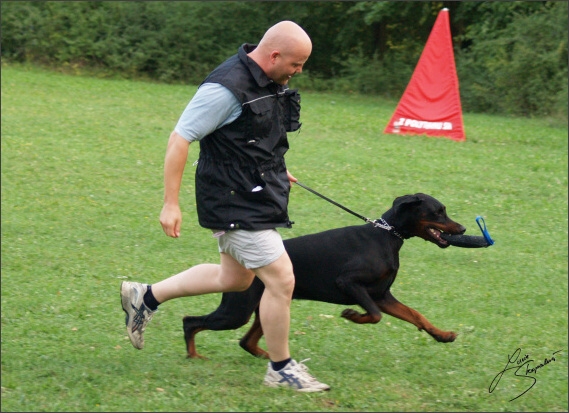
(465, 241)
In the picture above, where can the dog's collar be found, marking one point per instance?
(382, 223)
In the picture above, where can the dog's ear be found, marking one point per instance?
(407, 200)
(399, 213)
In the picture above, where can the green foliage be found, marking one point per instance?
(519, 67)
(511, 56)
(82, 187)
(385, 77)
(167, 41)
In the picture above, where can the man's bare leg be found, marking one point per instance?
(278, 278)
(228, 276)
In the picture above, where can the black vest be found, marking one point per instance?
(241, 180)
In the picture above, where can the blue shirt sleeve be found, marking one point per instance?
(212, 107)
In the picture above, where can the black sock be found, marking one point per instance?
(149, 299)
(279, 365)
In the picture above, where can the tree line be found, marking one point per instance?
(511, 57)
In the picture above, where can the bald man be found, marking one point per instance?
(240, 116)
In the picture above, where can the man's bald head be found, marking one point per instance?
(284, 36)
(282, 51)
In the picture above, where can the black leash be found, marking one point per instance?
(333, 202)
(382, 224)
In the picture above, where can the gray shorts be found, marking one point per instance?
(253, 249)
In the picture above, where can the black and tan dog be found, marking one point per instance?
(349, 265)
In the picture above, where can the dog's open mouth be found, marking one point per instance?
(436, 235)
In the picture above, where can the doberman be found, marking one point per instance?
(349, 265)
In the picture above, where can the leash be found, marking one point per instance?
(380, 223)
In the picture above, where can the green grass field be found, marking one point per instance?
(81, 188)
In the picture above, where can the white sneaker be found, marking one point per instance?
(294, 375)
(137, 314)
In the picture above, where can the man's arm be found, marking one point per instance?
(174, 163)
(212, 106)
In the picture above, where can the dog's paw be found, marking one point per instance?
(447, 337)
(452, 336)
(359, 318)
(350, 314)
(195, 355)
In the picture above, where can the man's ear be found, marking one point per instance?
(273, 56)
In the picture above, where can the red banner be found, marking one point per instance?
(430, 104)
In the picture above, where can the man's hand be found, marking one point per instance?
(171, 220)
(291, 178)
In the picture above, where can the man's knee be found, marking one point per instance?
(288, 283)
(282, 284)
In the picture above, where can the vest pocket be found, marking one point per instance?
(259, 118)
(253, 207)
